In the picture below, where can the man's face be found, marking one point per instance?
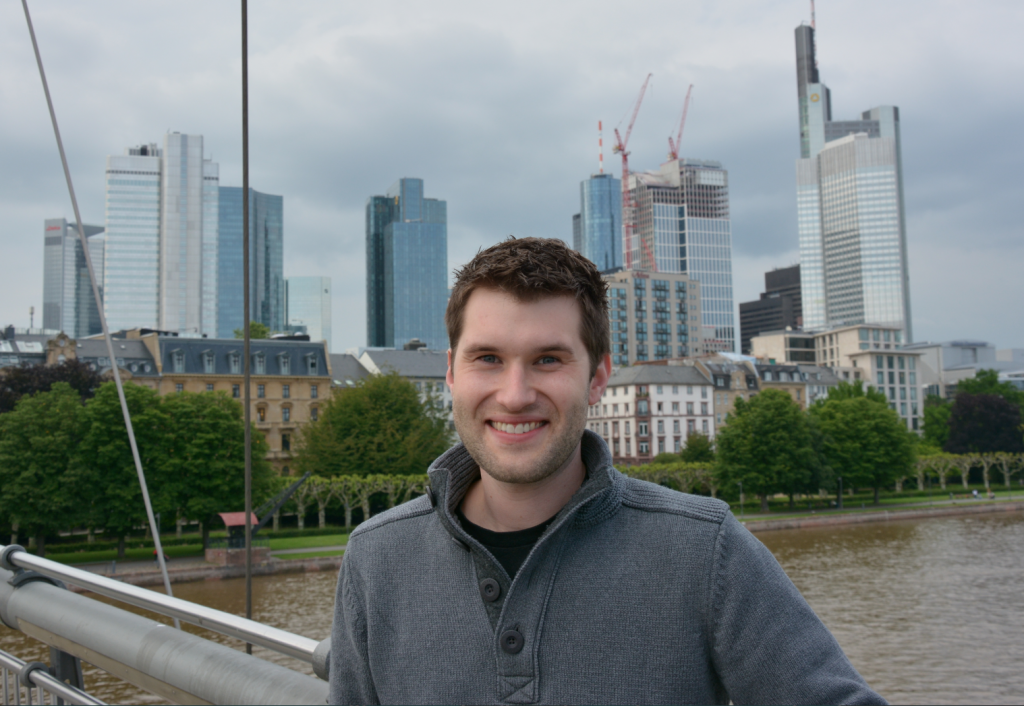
(521, 384)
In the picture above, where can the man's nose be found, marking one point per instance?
(516, 392)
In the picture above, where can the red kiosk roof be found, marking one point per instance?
(237, 519)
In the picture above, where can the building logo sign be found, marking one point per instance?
(815, 98)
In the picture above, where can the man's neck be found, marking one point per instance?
(508, 507)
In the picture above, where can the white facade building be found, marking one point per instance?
(652, 409)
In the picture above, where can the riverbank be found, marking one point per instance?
(201, 571)
(966, 507)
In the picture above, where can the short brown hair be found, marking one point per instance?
(530, 269)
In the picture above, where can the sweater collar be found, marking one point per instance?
(596, 500)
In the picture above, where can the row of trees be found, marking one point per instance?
(944, 465)
(771, 446)
(66, 464)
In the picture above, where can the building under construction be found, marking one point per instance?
(680, 224)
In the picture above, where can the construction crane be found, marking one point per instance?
(627, 201)
(673, 147)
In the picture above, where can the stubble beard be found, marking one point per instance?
(556, 456)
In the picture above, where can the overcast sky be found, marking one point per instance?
(496, 108)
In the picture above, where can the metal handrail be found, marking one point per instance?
(43, 680)
(225, 623)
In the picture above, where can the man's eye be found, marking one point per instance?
(488, 359)
(548, 360)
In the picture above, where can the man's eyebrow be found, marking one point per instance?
(478, 348)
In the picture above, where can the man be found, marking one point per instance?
(534, 572)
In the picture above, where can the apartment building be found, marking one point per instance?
(652, 409)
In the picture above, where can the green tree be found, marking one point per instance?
(36, 440)
(981, 423)
(256, 330)
(865, 442)
(29, 379)
(203, 461)
(936, 420)
(986, 382)
(102, 471)
(768, 446)
(666, 457)
(848, 391)
(379, 426)
(698, 449)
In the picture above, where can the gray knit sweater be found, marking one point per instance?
(635, 594)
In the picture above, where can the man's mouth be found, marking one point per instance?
(516, 428)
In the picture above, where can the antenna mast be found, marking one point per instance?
(600, 148)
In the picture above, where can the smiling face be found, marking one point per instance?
(521, 384)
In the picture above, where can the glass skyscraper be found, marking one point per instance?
(598, 226)
(161, 256)
(406, 267)
(266, 261)
(68, 301)
(308, 301)
(682, 225)
(131, 272)
(850, 214)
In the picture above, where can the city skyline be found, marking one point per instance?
(509, 137)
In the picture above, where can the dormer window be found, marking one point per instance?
(259, 363)
(209, 366)
(311, 366)
(178, 360)
(285, 363)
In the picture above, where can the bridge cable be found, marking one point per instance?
(103, 318)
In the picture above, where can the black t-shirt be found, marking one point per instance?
(509, 548)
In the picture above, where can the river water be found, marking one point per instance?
(929, 611)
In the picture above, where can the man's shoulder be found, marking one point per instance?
(650, 497)
(396, 519)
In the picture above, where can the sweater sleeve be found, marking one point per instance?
(768, 646)
(350, 678)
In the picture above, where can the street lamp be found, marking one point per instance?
(741, 499)
(839, 505)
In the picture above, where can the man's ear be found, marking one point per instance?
(599, 382)
(449, 377)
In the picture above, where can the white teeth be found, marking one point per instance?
(515, 428)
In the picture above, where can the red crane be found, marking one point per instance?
(627, 201)
(673, 147)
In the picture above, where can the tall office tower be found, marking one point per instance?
(162, 237)
(779, 307)
(266, 261)
(131, 272)
(68, 301)
(682, 226)
(308, 302)
(188, 238)
(577, 233)
(600, 221)
(406, 267)
(850, 214)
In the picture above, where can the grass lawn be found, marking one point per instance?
(129, 555)
(311, 555)
(328, 540)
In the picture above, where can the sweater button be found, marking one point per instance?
(490, 590)
(511, 641)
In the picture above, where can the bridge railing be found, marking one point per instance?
(176, 665)
(18, 681)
